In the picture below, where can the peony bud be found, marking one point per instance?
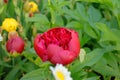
(58, 45)
(15, 44)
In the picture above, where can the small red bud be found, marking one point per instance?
(5, 1)
(15, 44)
(31, 14)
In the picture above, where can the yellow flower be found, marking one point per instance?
(60, 72)
(33, 7)
(9, 24)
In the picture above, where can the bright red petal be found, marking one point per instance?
(39, 46)
(74, 44)
(53, 49)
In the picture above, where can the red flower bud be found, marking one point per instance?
(15, 44)
(58, 45)
(5, 1)
(31, 14)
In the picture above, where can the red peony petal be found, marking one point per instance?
(66, 56)
(58, 55)
(39, 46)
(53, 49)
(56, 59)
(74, 44)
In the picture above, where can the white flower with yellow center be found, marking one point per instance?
(1, 38)
(60, 72)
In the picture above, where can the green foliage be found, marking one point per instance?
(97, 23)
(40, 74)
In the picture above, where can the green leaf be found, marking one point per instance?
(94, 14)
(40, 22)
(74, 25)
(28, 67)
(90, 59)
(81, 12)
(92, 78)
(71, 14)
(3, 63)
(11, 75)
(38, 18)
(105, 2)
(10, 9)
(29, 55)
(2, 9)
(40, 63)
(59, 21)
(39, 74)
(94, 56)
(111, 60)
(107, 35)
(90, 31)
(105, 68)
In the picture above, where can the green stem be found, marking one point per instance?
(13, 61)
(51, 12)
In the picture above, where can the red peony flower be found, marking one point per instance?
(58, 45)
(15, 44)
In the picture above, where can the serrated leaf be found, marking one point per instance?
(81, 12)
(107, 35)
(74, 25)
(103, 68)
(94, 14)
(89, 30)
(94, 56)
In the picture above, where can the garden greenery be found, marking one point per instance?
(97, 23)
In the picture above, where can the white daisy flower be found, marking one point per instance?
(60, 72)
(1, 38)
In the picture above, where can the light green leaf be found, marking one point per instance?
(94, 56)
(105, 68)
(42, 19)
(107, 35)
(74, 25)
(81, 12)
(90, 31)
(92, 78)
(39, 74)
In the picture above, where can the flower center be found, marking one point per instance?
(60, 75)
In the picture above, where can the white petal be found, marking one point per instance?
(63, 70)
